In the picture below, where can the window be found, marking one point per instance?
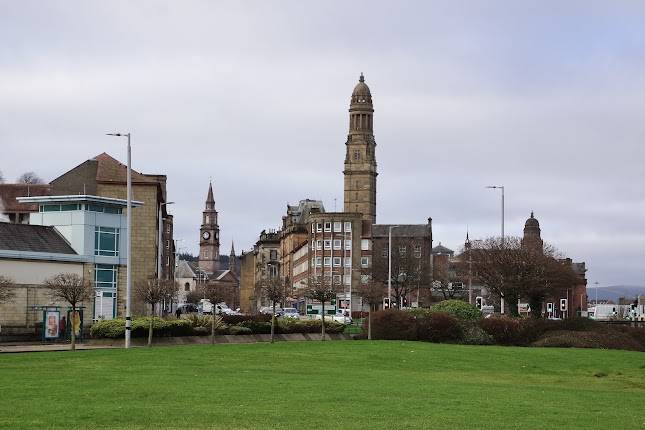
(327, 244)
(348, 279)
(357, 155)
(101, 208)
(313, 245)
(365, 279)
(365, 262)
(273, 254)
(105, 276)
(318, 261)
(167, 244)
(417, 251)
(273, 271)
(348, 244)
(313, 227)
(348, 261)
(402, 251)
(337, 279)
(319, 245)
(313, 261)
(187, 286)
(106, 241)
(365, 244)
(384, 253)
(348, 226)
(318, 227)
(327, 262)
(338, 226)
(337, 261)
(205, 254)
(58, 208)
(328, 226)
(338, 244)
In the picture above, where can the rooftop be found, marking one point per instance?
(33, 238)
(80, 198)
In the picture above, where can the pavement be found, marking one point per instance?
(49, 347)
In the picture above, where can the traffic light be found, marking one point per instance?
(386, 303)
(549, 308)
(479, 302)
(563, 305)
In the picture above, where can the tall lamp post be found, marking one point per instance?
(389, 266)
(500, 187)
(128, 282)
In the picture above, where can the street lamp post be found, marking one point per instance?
(389, 266)
(500, 187)
(128, 282)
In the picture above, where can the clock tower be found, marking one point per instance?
(209, 236)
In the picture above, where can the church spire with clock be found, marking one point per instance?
(209, 236)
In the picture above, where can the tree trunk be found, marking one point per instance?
(323, 321)
(273, 322)
(152, 316)
(72, 331)
(213, 326)
(369, 324)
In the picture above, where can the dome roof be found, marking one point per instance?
(361, 89)
(532, 222)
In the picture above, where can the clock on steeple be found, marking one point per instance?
(209, 240)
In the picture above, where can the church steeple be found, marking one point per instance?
(360, 158)
(232, 259)
(209, 235)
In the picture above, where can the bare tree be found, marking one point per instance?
(322, 289)
(152, 292)
(71, 288)
(372, 293)
(514, 271)
(410, 271)
(215, 293)
(30, 178)
(274, 290)
(6, 289)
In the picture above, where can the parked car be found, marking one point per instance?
(339, 316)
(290, 313)
(268, 310)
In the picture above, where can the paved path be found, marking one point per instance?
(48, 347)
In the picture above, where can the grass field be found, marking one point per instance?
(349, 384)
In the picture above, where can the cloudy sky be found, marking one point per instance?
(544, 97)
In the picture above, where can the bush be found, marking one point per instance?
(286, 326)
(257, 327)
(457, 308)
(439, 327)
(197, 320)
(393, 324)
(238, 319)
(237, 330)
(115, 328)
(473, 334)
(589, 339)
(504, 330)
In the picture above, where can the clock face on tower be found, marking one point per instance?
(206, 235)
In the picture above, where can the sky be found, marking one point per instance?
(543, 97)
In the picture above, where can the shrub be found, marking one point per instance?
(197, 320)
(393, 324)
(236, 330)
(257, 327)
(237, 319)
(457, 308)
(588, 339)
(115, 328)
(308, 326)
(439, 327)
(504, 330)
(473, 334)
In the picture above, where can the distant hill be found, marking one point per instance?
(614, 292)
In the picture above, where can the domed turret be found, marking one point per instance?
(361, 90)
(532, 232)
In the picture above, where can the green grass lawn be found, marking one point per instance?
(301, 385)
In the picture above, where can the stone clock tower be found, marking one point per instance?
(209, 236)
(360, 159)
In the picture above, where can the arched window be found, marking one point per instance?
(187, 286)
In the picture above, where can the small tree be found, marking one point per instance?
(273, 289)
(6, 289)
(71, 288)
(372, 293)
(30, 178)
(153, 291)
(215, 293)
(321, 288)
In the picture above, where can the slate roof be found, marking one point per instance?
(9, 192)
(32, 238)
(403, 230)
(440, 249)
(111, 170)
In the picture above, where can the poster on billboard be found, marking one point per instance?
(52, 321)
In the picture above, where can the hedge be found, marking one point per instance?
(115, 328)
